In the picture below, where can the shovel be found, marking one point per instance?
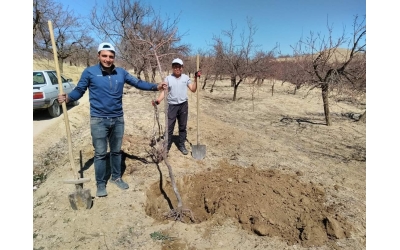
(81, 198)
(198, 151)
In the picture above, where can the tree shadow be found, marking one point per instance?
(287, 120)
(124, 156)
(90, 162)
(86, 166)
(303, 120)
(175, 141)
(164, 194)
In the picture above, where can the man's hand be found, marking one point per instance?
(162, 86)
(197, 74)
(62, 98)
(154, 102)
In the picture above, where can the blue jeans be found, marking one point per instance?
(107, 131)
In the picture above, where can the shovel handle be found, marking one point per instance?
(198, 90)
(64, 105)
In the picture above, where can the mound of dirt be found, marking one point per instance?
(266, 202)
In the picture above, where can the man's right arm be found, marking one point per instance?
(162, 93)
(159, 99)
(193, 85)
(78, 91)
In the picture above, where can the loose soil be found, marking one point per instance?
(274, 176)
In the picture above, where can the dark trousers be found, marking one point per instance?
(177, 112)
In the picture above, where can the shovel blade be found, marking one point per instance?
(80, 199)
(198, 151)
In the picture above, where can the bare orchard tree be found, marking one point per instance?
(236, 59)
(114, 21)
(276, 72)
(67, 26)
(328, 66)
(135, 29)
(264, 69)
(293, 71)
(87, 53)
(206, 66)
(160, 45)
(218, 69)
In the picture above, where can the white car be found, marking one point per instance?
(45, 91)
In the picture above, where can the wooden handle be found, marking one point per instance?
(198, 105)
(64, 105)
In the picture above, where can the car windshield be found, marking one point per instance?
(54, 78)
(38, 78)
(64, 79)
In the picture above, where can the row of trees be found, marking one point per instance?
(145, 41)
(318, 61)
(134, 29)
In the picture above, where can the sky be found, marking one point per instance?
(281, 22)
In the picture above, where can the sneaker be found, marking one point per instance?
(120, 183)
(183, 150)
(101, 190)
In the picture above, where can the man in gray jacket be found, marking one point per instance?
(177, 98)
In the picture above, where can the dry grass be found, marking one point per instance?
(73, 72)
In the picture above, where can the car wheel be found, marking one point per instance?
(55, 109)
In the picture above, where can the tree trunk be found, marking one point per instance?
(212, 86)
(325, 94)
(233, 81)
(272, 88)
(235, 88)
(139, 72)
(153, 74)
(234, 92)
(60, 64)
(87, 55)
(204, 83)
(146, 76)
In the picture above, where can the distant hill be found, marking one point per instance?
(340, 54)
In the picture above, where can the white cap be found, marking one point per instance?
(106, 46)
(177, 60)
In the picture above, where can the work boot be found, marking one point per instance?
(101, 190)
(183, 150)
(120, 183)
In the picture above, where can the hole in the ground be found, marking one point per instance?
(265, 202)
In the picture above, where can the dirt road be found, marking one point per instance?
(42, 120)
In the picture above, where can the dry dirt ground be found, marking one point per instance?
(274, 176)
